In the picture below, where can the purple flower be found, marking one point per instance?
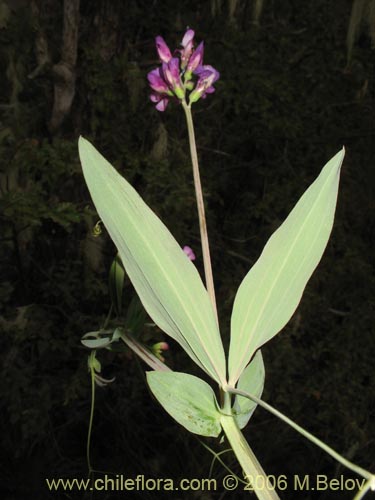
(187, 44)
(157, 82)
(188, 38)
(181, 74)
(171, 73)
(163, 49)
(189, 252)
(207, 76)
(160, 87)
(196, 59)
(161, 102)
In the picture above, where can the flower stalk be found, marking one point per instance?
(201, 211)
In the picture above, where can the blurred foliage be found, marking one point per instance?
(287, 100)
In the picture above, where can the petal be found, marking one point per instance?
(187, 44)
(161, 106)
(188, 37)
(207, 77)
(210, 90)
(171, 73)
(198, 70)
(156, 81)
(207, 71)
(189, 252)
(216, 73)
(155, 97)
(163, 49)
(196, 58)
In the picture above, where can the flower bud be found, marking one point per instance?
(158, 348)
(163, 49)
(187, 44)
(189, 252)
(195, 60)
(171, 73)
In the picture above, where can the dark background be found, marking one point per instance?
(292, 91)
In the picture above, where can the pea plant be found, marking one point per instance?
(174, 296)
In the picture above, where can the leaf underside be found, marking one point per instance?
(271, 291)
(166, 281)
(251, 381)
(188, 399)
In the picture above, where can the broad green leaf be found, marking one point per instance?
(271, 291)
(251, 381)
(166, 281)
(187, 399)
(116, 283)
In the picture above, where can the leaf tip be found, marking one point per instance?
(82, 141)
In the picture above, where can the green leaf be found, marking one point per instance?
(188, 399)
(252, 381)
(100, 338)
(271, 291)
(166, 281)
(116, 283)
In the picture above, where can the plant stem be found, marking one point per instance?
(92, 407)
(355, 468)
(141, 351)
(201, 212)
(370, 485)
(243, 452)
(248, 461)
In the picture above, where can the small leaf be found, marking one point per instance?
(93, 362)
(251, 381)
(167, 283)
(100, 339)
(188, 399)
(271, 291)
(95, 343)
(116, 283)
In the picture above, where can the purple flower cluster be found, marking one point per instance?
(181, 72)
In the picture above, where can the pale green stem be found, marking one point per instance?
(141, 351)
(240, 447)
(201, 212)
(92, 407)
(355, 468)
(217, 457)
(370, 485)
(248, 461)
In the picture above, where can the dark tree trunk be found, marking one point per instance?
(65, 71)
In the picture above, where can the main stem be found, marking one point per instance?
(239, 445)
(92, 407)
(201, 212)
(252, 469)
